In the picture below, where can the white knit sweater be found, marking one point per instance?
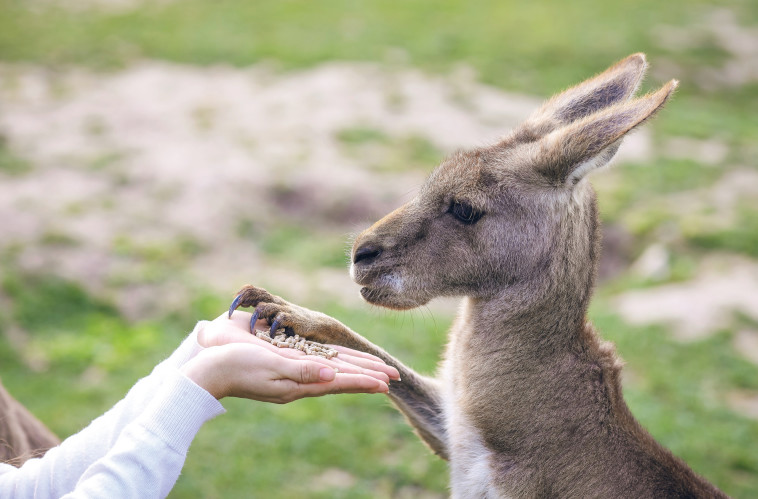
(135, 450)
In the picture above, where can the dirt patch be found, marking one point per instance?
(705, 209)
(333, 478)
(414, 492)
(744, 402)
(746, 344)
(706, 152)
(110, 6)
(141, 179)
(719, 29)
(699, 307)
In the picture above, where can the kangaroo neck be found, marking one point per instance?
(522, 360)
(545, 318)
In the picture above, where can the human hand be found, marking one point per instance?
(237, 364)
(224, 331)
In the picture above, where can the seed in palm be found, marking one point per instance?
(297, 342)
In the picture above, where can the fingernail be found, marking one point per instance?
(327, 374)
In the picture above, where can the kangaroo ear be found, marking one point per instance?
(615, 85)
(566, 155)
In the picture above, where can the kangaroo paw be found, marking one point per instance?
(277, 312)
(250, 296)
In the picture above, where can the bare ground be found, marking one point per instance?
(699, 307)
(161, 153)
(170, 158)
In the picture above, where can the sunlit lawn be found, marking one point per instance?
(359, 446)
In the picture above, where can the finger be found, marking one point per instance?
(355, 353)
(290, 353)
(306, 371)
(294, 354)
(339, 365)
(344, 383)
(371, 365)
(334, 364)
(364, 364)
(344, 362)
(382, 372)
(241, 320)
(349, 364)
(349, 368)
(239, 326)
(261, 325)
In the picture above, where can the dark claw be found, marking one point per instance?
(253, 320)
(274, 327)
(235, 304)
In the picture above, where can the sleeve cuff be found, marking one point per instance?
(178, 410)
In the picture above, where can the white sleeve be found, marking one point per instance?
(149, 454)
(59, 470)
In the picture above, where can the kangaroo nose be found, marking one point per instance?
(367, 253)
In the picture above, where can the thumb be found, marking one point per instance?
(306, 371)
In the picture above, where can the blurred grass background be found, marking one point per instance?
(79, 353)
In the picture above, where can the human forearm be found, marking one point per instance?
(162, 433)
(59, 469)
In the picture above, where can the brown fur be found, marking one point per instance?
(22, 436)
(529, 402)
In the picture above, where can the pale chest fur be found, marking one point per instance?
(471, 474)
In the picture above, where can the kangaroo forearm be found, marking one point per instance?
(420, 400)
(418, 397)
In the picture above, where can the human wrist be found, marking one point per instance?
(178, 410)
(204, 372)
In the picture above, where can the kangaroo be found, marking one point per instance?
(528, 399)
(22, 436)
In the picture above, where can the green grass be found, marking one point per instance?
(389, 154)
(304, 247)
(677, 391)
(740, 237)
(533, 47)
(76, 336)
(156, 260)
(635, 184)
(361, 435)
(90, 355)
(357, 136)
(93, 356)
(505, 40)
(10, 163)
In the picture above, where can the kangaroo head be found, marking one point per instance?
(513, 214)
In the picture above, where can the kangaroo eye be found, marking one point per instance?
(465, 212)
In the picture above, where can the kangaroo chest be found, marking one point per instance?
(471, 471)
